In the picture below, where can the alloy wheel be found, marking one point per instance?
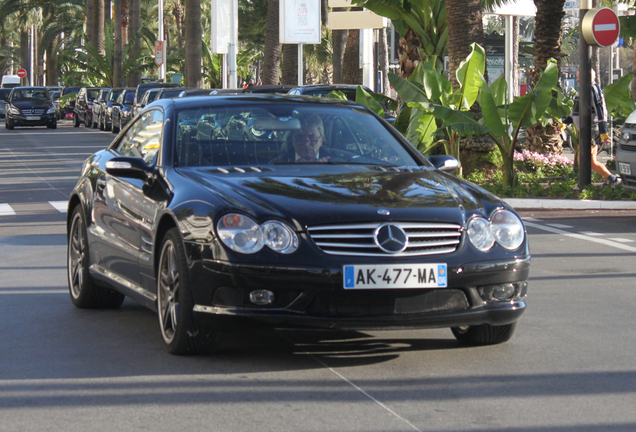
(76, 256)
(168, 292)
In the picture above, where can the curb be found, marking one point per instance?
(564, 204)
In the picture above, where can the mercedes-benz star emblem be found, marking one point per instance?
(391, 238)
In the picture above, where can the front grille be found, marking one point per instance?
(359, 239)
(33, 112)
(360, 303)
(628, 147)
(629, 181)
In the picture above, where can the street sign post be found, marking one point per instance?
(600, 27)
(159, 53)
(21, 73)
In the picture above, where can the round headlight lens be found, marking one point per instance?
(240, 233)
(507, 229)
(279, 237)
(479, 234)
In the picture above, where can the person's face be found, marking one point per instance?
(307, 143)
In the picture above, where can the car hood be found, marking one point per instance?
(327, 194)
(28, 105)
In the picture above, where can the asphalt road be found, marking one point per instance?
(571, 366)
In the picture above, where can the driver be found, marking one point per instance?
(307, 143)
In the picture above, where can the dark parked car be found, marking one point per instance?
(142, 88)
(106, 110)
(323, 90)
(214, 233)
(122, 109)
(4, 96)
(66, 104)
(83, 112)
(148, 97)
(98, 104)
(29, 106)
(277, 89)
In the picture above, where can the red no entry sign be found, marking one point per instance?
(600, 27)
(21, 73)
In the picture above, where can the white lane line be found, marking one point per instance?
(559, 226)
(582, 237)
(531, 219)
(6, 210)
(12, 292)
(591, 233)
(622, 240)
(61, 206)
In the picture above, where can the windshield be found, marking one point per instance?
(4, 94)
(38, 95)
(285, 134)
(92, 94)
(129, 96)
(114, 95)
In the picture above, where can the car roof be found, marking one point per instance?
(29, 88)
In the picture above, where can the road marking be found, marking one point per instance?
(582, 237)
(622, 240)
(6, 210)
(61, 206)
(559, 226)
(13, 292)
(531, 219)
(590, 233)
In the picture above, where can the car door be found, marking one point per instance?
(124, 214)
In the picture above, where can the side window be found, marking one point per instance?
(143, 138)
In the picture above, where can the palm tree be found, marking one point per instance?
(465, 26)
(273, 49)
(193, 49)
(117, 48)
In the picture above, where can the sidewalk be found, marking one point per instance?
(566, 204)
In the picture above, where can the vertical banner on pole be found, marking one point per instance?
(221, 16)
(299, 24)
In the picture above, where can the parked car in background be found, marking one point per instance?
(29, 106)
(10, 81)
(167, 93)
(52, 89)
(142, 88)
(626, 153)
(105, 117)
(216, 234)
(4, 96)
(66, 103)
(323, 90)
(97, 105)
(277, 89)
(122, 109)
(83, 112)
(148, 97)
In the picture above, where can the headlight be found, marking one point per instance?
(257, 132)
(625, 136)
(13, 110)
(51, 110)
(504, 228)
(279, 237)
(242, 234)
(479, 234)
(507, 229)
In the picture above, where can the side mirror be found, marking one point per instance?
(444, 163)
(130, 167)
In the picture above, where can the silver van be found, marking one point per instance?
(626, 153)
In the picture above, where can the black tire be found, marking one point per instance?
(100, 121)
(8, 124)
(84, 293)
(52, 125)
(484, 334)
(114, 129)
(76, 121)
(181, 333)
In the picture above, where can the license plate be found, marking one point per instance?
(624, 168)
(33, 118)
(395, 276)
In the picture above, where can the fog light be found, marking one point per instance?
(262, 297)
(503, 292)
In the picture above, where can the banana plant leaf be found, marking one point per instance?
(468, 76)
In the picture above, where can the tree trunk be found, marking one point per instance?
(135, 25)
(193, 44)
(290, 64)
(177, 11)
(98, 33)
(90, 21)
(272, 49)
(125, 21)
(547, 45)
(51, 62)
(465, 26)
(408, 53)
(351, 71)
(339, 41)
(117, 51)
(25, 55)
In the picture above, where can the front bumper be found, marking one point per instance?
(314, 297)
(32, 120)
(626, 163)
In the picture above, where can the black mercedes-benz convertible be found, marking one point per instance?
(322, 216)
